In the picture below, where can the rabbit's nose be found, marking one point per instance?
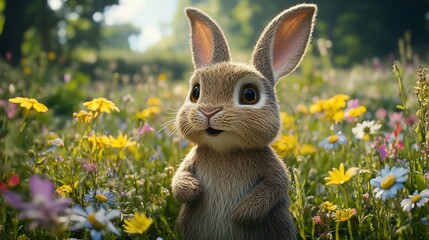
(209, 112)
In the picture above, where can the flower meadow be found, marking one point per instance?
(355, 142)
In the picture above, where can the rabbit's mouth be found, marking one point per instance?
(213, 132)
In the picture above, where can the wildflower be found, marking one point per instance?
(121, 142)
(302, 108)
(84, 116)
(145, 129)
(287, 120)
(365, 195)
(331, 108)
(153, 101)
(51, 56)
(342, 215)
(139, 224)
(285, 145)
(97, 222)
(339, 177)
(354, 110)
(416, 199)
(148, 113)
(57, 142)
(64, 190)
(99, 141)
(44, 209)
(162, 77)
(363, 130)
(381, 113)
(317, 220)
(89, 167)
(29, 103)
(328, 206)
(100, 198)
(389, 182)
(333, 141)
(11, 182)
(306, 149)
(101, 105)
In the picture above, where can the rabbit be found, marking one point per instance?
(231, 184)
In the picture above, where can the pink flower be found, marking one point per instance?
(365, 195)
(90, 167)
(145, 129)
(396, 119)
(317, 220)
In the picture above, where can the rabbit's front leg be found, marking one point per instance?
(257, 204)
(185, 186)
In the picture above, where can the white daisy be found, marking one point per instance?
(417, 199)
(363, 130)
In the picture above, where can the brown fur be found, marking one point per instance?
(233, 186)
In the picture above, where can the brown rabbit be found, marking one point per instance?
(232, 184)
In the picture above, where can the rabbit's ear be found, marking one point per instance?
(283, 42)
(207, 40)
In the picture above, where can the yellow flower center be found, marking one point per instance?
(100, 197)
(333, 139)
(94, 222)
(416, 198)
(387, 181)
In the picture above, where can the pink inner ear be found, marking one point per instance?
(289, 44)
(202, 42)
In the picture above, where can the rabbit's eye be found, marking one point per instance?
(195, 94)
(249, 94)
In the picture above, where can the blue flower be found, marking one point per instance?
(100, 198)
(389, 182)
(97, 222)
(332, 142)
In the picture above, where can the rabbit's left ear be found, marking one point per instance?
(208, 43)
(283, 42)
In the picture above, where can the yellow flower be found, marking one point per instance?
(287, 120)
(162, 77)
(121, 142)
(328, 206)
(51, 56)
(101, 105)
(27, 70)
(306, 149)
(99, 141)
(339, 177)
(139, 224)
(148, 113)
(356, 112)
(153, 101)
(64, 190)
(285, 145)
(342, 215)
(316, 107)
(302, 108)
(331, 108)
(29, 103)
(84, 116)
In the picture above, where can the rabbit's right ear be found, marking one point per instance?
(283, 42)
(208, 43)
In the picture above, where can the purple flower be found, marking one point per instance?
(44, 209)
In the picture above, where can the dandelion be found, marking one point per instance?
(97, 222)
(153, 101)
(287, 120)
(29, 103)
(333, 141)
(365, 129)
(84, 116)
(339, 177)
(148, 113)
(44, 209)
(285, 145)
(139, 224)
(100, 198)
(389, 182)
(101, 105)
(416, 199)
(342, 215)
(64, 190)
(328, 206)
(121, 142)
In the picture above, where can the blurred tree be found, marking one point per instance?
(75, 22)
(359, 29)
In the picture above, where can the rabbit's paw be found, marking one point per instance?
(186, 189)
(244, 214)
